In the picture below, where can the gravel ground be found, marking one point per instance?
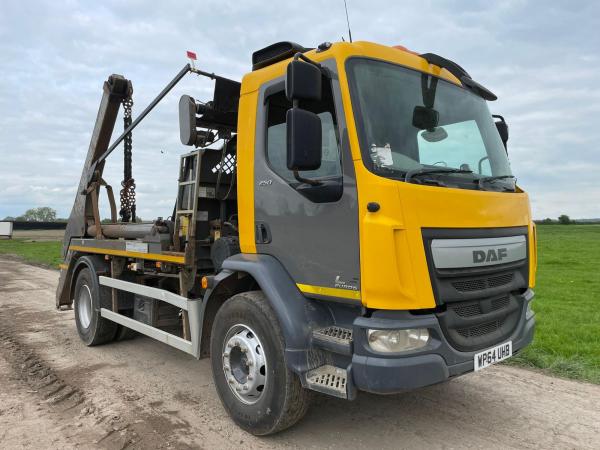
(57, 393)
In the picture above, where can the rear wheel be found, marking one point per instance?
(88, 299)
(247, 355)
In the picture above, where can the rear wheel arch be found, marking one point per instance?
(94, 263)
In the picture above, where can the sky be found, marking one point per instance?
(542, 59)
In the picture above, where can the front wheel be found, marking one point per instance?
(247, 356)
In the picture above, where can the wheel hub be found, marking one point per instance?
(84, 306)
(244, 363)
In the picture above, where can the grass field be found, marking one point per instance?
(567, 304)
(39, 252)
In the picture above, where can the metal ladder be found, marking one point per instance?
(187, 198)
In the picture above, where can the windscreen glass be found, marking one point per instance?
(436, 132)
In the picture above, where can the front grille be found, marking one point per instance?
(500, 280)
(469, 285)
(476, 324)
(469, 309)
(499, 303)
(479, 284)
(481, 330)
(461, 284)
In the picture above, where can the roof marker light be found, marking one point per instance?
(401, 47)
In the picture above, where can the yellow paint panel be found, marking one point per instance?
(329, 292)
(532, 254)
(150, 256)
(245, 171)
(394, 271)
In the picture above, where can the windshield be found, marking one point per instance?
(413, 123)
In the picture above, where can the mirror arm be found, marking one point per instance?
(304, 58)
(306, 180)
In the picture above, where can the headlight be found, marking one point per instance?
(395, 341)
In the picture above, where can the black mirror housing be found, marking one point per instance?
(304, 140)
(187, 120)
(502, 128)
(188, 133)
(303, 81)
(425, 118)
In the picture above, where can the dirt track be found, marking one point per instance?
(55, 392)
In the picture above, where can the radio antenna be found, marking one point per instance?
(348, 21)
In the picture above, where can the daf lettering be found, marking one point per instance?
(481, 256)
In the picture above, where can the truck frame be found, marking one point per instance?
(347, 221)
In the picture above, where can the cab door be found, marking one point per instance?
(312, 229)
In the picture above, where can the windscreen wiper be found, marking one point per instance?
(481, 181)
(425, 171)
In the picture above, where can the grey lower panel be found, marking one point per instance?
(154, 333)
(437, 362)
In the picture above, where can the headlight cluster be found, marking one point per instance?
(395, 341)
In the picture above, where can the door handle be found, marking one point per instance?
(262, 233)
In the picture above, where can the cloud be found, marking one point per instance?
(541, 61)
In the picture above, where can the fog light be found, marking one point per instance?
(395, 341)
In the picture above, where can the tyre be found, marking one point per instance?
(88, 299)
(124, 334)
(247, 356)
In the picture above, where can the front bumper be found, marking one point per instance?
(437, 362)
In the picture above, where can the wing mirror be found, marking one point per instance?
(303, 140)
(188, 132)
(303, 82)
(502, 128)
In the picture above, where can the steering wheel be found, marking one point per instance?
(443, 163)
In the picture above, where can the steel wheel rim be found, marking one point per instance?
(244, 364)
(84, 306)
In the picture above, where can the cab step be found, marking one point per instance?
(328, 380)
(334, 338)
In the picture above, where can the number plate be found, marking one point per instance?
(493, 355)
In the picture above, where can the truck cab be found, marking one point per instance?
(376, 239)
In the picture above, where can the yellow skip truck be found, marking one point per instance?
(346, 221)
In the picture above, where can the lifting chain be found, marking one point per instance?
(127, 211)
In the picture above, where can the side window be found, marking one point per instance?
(277, 106)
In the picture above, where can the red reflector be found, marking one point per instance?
(191, 55)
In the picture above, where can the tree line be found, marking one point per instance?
(41, 214)
(45, 214)
(563, 219)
